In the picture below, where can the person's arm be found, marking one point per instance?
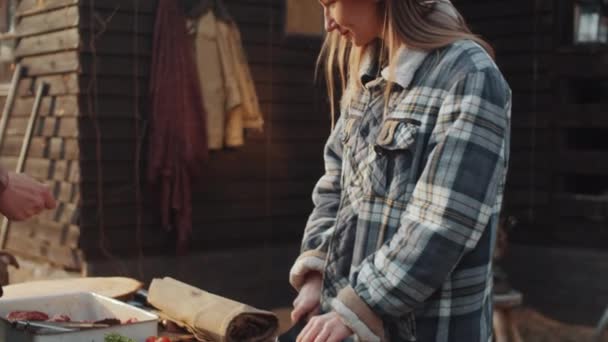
(320, 225)
(448, 212)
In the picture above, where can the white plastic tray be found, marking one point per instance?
(79, 307)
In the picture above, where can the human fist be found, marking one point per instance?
(24, 197)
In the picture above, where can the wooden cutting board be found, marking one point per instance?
(113, 287)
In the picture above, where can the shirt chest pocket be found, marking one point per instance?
(392, 158)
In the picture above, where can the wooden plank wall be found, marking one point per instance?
(253, 196)
(48, 50)
(558, 177)
(113, 80)
(557, 183)
(522, 34)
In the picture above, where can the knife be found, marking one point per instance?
(57, 326)
(292, 334)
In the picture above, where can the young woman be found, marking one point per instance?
(399, 244)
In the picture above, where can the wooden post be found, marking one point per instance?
(23, 155)
(10, 100)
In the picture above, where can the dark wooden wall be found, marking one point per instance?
(557, 182)
(521, 32)
(251, 208)
(558, 175)
(252, 195)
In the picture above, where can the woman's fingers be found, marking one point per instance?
(306, 306)
(305, 332)
(296, 314)
(323, 335)
(316, 325)
(314, 312)
(325, 328)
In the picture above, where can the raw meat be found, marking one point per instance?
(27, 316)
(60, 318)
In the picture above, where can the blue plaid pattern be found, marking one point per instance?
(406, 213)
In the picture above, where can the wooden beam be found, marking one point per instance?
(48, 230)
(110, 87)
(489, 10)
(279, 75)
(64, 214)
(120, 195)
(582, 115)
(117, 44)
(60, 19)
(66, 84)
(110, 107)
(527, 198)
(529, 23)
(116, 21)
(45, 170)
(51, 106)
(32, 7)
(260, 53)
(219, 234)
(113, 65)
(292, 94)
(59, 41)
(317, 111)
(142, 6)
(540, 43)
(65, 191)
(42, 250)
(568, 63)
(58, 63)
(48, 126)
(591, 207)
(582, 162)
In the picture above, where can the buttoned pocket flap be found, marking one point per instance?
(397, 135)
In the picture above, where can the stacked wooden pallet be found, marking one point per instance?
(47, 47)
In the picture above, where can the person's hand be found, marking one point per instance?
(325, 328)
(24, 197)
(308, 301)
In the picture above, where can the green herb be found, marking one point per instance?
(117, 338)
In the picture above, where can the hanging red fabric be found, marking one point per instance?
(178, 139)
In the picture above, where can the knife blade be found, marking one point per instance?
(292, 334)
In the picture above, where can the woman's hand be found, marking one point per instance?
(308, 301)
(325, 328)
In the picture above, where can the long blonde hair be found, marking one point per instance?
(424, 25)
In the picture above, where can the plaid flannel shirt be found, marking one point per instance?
(405, 216)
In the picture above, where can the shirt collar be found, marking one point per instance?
(407, 62)
(368, 69)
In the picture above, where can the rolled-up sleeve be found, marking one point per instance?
(450, 206)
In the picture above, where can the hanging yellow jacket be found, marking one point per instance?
(229, 94)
